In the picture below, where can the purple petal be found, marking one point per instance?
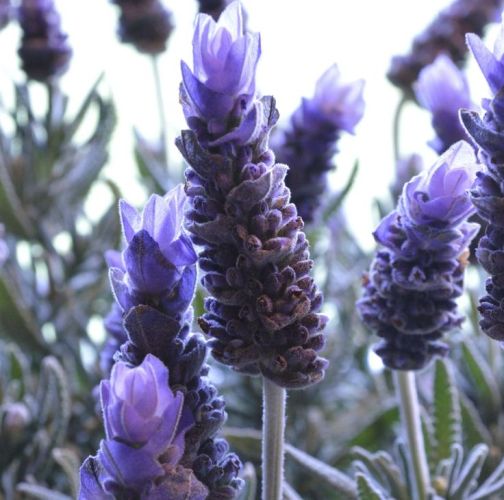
(130, 220)
(492, 70)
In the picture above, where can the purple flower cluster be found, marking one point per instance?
(310, 143)
(414, 281)
(446, 34)
(146, 24)
(262, 315)
(153, 282)
(443, 90)
(488, 190)
(44, 50)
(145, 425)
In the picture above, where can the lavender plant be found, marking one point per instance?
(309, 144)
(410, 291)
(153, 285)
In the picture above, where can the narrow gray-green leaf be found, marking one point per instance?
(367, 490)
(41, 492)
(469, 475)
(446, 411)
(482, 378)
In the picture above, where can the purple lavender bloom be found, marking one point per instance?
(262, 315)
(146, 24)
(145, 424)
(44, 50)
(414, 281)
(309, 144)
(442, 89)
(446, 34)
(117, 336)
(219, 91)
(158, 252)
(487, 192)
(153, 281)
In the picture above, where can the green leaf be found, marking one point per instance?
(367, 490)
(336, 202)
(14, 216)
(69, 461)
(446, 411)
(428, 431)
(482, 378)
(16, 320)
(474, 430)
(92, 95)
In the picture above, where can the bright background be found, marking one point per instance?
(300, 40)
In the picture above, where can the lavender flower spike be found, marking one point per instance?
(146, 24)
(309, 144)
(444, 35)
(262, 315)
(153, 282)
(145, 424)
(443, 90)
(5, 13)
(410, 291)
(487, 192)
(44, 50)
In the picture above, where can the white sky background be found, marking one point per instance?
(300, 40)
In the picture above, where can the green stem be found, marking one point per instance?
(410, 417)
(273, 440)
(161, 110)
(397, 126)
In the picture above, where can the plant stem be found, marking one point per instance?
(410, 417)
(161, 111)
(273, 440)
(397, 127)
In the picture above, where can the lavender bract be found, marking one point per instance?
(44, 50)
(145, 424)
(410, 291)
(487, 193)
(262, 315)
(445, 34)
(146, 24)
(153, 282)
(443, 90)
(310, 143)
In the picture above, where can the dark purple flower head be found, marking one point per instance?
(221, 86)
(414, 281)
(145, 424)
(153, 281)
(308, 144)
(263, 313)
(487, 192)
(444, 35)
(213, 8)
(146, 24)
(44, 50)
(443, 90)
